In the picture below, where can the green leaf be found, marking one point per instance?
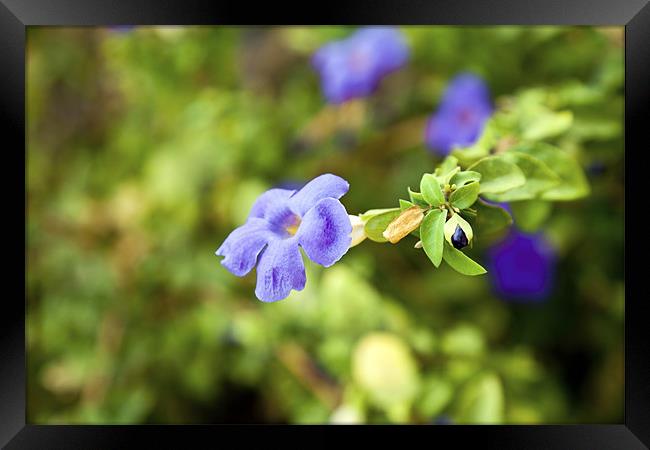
(374, 212)
(573, 182)
(539, 178)
(468, 214)
(444, 179)
(465, 196)
(530, 215)
(574, 93)
(417, 198)
(463, 340)
(481, 148)
(432, 236)
(470, 155)
(460, 262)
(449, 164)
(482, 401)
(376, 225)
(437, 393)
(498, 174)
(446, 170)
(431, 190)
(594, 127)
(465, 177)
(405, 204)
(490, 219)
(547, 124)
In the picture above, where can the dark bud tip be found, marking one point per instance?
(458, 239)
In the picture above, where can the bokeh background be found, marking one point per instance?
(147, 146)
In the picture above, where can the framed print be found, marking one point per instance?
(329, 220)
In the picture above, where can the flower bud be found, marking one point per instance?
(458, 232)
(459, 239)
(405, 223)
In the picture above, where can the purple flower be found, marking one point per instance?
(353, 67)
(121, 28)
(522, 266)
(443, 420)
(462, 113)
(280, 222)
(504, 205)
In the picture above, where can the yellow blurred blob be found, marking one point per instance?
(383, 366)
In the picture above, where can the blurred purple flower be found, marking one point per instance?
(596, 169)
(353, 67)
(504, 205)
(121, 28)
(463, 111)
(280, 222)
(443, 420)
(522, 266)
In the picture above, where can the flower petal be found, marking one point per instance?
(328, 52)
(340, 86)
(271, 204)
(353, 67)
(325, 232)
(323, 186)
(466, 89)
(387, 43)
(522, 266)
(242, 246)
(461, 114)
(439, 135)
(279, 270)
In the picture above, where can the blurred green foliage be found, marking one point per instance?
(147, 146)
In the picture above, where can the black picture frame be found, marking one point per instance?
(16, 15)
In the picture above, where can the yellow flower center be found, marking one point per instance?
(292, 228)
